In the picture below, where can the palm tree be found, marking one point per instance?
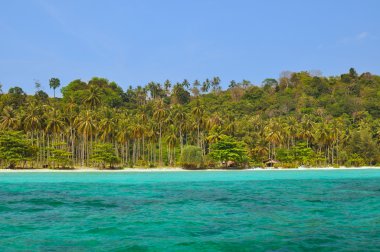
(215, 134)
(141, 95)
(54, 83)
(123, 136)
(171, 141)
(206, 86)
(55, 123)
(159, 116)
(167, 86)
(307, 129)
(186, 84)
(324, 138)
(215, 120)
(137, 131)
(215, 84)
(107, 125)
(54, 129)
(71, 112)
(291, 127)
(32, 119)
(198, 114)
(33, 123)
(9, 119)
(93, 98)
(180, 121)
(273, 136)
(86, 125)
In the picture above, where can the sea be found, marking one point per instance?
(290, 210)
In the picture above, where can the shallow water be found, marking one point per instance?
(191, 211)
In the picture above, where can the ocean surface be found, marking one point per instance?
(301, 210)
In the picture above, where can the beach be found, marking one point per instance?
(178, 169)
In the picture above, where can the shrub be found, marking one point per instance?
(15, 148)
(191, 157)
(229, 149)
(105, 153)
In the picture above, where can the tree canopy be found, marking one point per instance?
(300, 118)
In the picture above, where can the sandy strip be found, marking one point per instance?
(177, 169)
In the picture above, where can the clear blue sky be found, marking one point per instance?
(133, 42)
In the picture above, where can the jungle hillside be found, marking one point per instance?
(300, 118)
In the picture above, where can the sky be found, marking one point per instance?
(133, 42)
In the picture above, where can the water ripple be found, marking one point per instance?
(316, 214)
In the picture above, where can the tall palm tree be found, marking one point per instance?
(180, 121)
(159, 116)
(55, 123)
(171, 141)
(123, 136)
(215, 84)
(198, 114)
(86, 125)
(137, 131)
(323, 137)
(307, 129)
(274, 136)
(107, 124)
(33, 124)
(71, 112)
(206, 86)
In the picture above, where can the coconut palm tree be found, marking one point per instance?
(9, 119)
(123, 136)
(159, 116)
(107, 124)
(307, 129)
(55, 123)
(180, 117)
(197, 112)
(86, 126)
(274, 136)
(171, 140)
(206, 86)
(93, 97)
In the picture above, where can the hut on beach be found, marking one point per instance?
(270, 162)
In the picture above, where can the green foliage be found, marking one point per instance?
(362, 145)
(41, 96)
(97, 92)
(300, 118)
(180, 95)
(15, 148)
(54, 83)
(355, 160)
(59, 156)
(191, 157)
(15, 97)
(104, 153)
(228, 149)
(300, 154)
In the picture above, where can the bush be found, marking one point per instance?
(229, 149)
(59, 157)
(105, 153)
(191, 157)
(15, 148)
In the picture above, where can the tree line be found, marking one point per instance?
(301, 118)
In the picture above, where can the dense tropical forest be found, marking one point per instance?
(301, 118)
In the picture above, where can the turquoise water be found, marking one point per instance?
(191, 211)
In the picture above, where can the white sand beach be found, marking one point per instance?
(178, 169)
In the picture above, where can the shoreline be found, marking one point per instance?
(177, 169)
